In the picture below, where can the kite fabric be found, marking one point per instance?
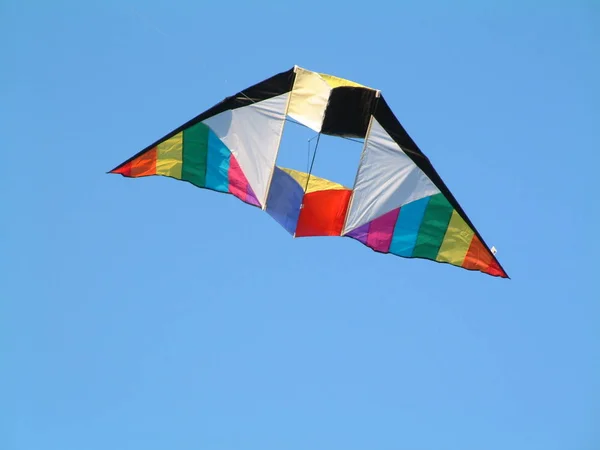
(398, 204)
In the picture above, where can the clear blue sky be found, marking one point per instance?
(147, 314)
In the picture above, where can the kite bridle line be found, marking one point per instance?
(318, 136)
(308, 150)
(312, 163)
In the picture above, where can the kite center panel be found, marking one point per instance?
(312, 181)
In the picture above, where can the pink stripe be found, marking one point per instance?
(238, 185)
(381, 231)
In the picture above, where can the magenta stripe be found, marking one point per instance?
(381, 231)
(250, 197)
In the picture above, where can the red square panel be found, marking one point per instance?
(323, 213)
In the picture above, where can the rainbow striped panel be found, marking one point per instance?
(195, 155)
(428, 228)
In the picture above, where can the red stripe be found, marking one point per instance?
(495, 270)
(124, 170)
(142, 166)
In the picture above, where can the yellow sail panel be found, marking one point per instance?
(315, 183)
(334, 81)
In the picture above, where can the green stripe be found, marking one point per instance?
(433, 227)
(195, 151)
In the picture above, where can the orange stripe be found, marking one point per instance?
(144, 165)
(478, 257)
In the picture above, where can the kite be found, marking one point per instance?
(397, 205)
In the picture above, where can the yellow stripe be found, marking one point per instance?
(315, 183)
(456, 241)
(334, 81)
(169, 157)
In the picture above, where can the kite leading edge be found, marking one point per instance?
(398, 203)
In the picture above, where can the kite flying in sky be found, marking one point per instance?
(398, 203)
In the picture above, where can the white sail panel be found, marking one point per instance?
(252, 133)
(387, 179)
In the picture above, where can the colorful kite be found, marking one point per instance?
(398, 204)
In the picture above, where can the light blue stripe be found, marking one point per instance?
(407, 227)
(217, 164)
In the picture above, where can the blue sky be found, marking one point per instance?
(147, 314)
